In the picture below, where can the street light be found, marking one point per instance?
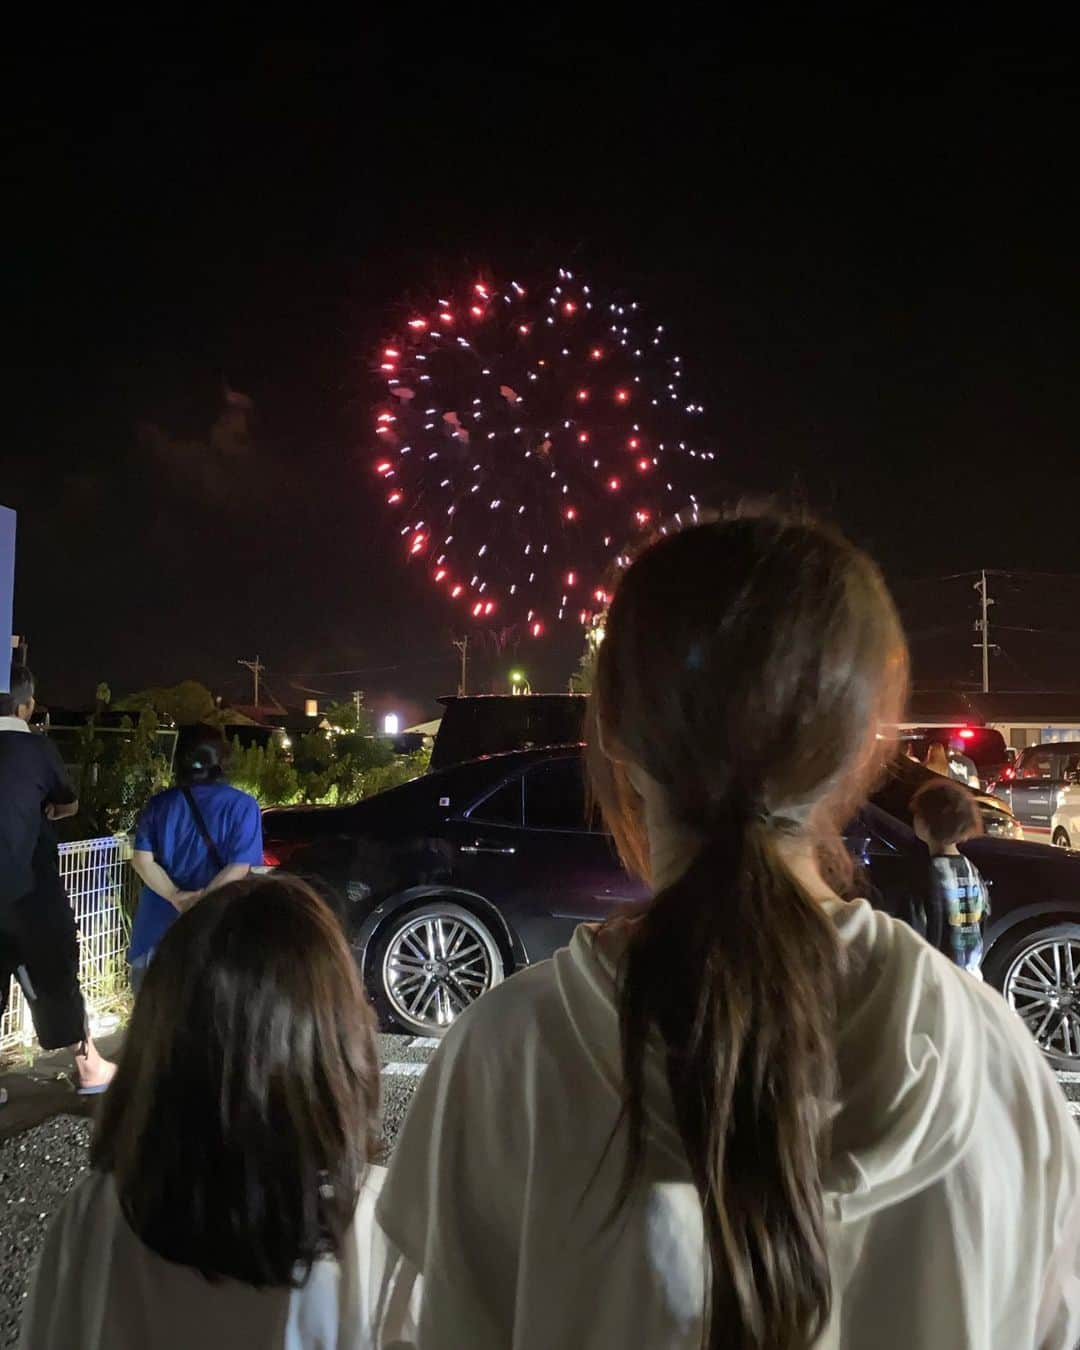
(518, 683)
(391, 724)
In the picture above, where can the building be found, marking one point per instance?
(1023, 718)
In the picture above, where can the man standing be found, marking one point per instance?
(38, 941)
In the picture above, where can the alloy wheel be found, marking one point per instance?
(437, 964)
(1043, 987)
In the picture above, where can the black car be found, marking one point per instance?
(455, 880)
(494, 724)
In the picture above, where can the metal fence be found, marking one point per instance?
(101, 886)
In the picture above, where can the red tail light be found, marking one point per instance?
(966, 734)
(277, 852)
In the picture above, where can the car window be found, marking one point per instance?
(1069, 766)
(1036, 764)
(863, 843)
(501, 807)
(984, 746)
(555, 796)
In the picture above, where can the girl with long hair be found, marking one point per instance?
(750, 1114)
(230, 1200)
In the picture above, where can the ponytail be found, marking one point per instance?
(747, 666)
(737, 968)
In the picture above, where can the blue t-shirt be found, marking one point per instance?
(167, 829)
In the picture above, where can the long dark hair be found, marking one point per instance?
(245, 1108)
(747, 666)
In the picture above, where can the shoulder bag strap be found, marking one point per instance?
(211, 847)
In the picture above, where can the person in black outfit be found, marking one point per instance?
(38, 940)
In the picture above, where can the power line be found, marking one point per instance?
(1044, 576)
(1059, 634)
(367, 670)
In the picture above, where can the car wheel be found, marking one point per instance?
(1061, 838)
(432, 964)
(1040, 980)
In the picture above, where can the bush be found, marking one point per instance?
(325, 769)
(118, 771)
(402, 769)
(264, 771)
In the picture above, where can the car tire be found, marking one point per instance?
(1038, 974)
(429, 964)
(1061, 838)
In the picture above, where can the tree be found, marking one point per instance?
(120, 769)
(350, 715)
(325, 768)
(313, 760)
(185, 704)
(581, 681)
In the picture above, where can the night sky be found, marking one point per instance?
(871, 268)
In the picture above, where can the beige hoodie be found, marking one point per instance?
(953, 1197)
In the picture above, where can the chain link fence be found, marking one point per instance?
(102, 888)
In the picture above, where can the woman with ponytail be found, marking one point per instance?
(750, 1114)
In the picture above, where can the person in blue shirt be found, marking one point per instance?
(190, 839)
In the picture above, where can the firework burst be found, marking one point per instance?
(526, 436)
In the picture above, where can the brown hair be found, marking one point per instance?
(747, 665)
(948, 810)
(245, 1108)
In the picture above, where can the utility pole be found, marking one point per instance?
(357, 695)
(462, 644)
(256, 667)
(982, 627)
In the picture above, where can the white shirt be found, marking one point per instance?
(952, 1199)
(98, 1287)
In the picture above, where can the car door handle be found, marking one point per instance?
(480, 847)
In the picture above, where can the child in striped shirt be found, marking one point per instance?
(945, 814)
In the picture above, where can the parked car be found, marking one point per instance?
(982, 748)
(998, 821)
(1043, 790)
(906, 777)
(452, 882)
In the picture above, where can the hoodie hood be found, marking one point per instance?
(911, 1052)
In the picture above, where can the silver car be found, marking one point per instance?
(1043, 789)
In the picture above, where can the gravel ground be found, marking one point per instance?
(39, 1167)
